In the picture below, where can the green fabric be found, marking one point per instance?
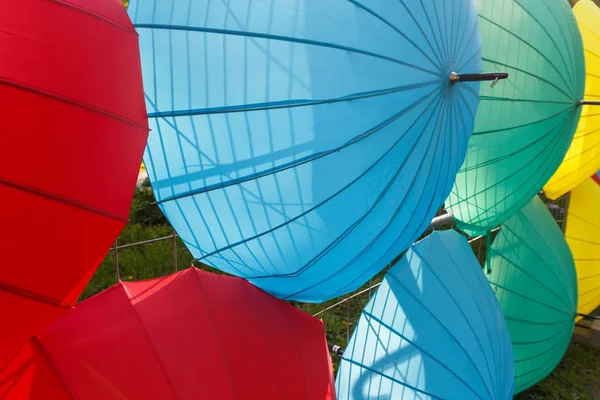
(533, 275)
(524, 124)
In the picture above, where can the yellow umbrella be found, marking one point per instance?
(583, 158)
(583, 236)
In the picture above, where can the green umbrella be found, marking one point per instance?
(523, 127)
(533, 275)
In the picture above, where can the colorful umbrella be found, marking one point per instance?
(583, 236)
(583, 157)
(433, 330)
(71, 96)
(302, 144)
(524, 126)
(190, 335)
(533, 275)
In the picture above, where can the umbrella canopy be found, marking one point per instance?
(303, 144)
(583, 236)
(71, 96)
(190, 335)
(524, 126)
(583, 157)
(433, 330)
(533, 275)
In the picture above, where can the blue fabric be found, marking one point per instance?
(432, 330)
(304, 144)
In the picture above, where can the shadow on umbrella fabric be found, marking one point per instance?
(303, 145)
(533, 276)
(190, 335)
(433, 330)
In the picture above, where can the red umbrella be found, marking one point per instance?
(73, 129)
(190, 335)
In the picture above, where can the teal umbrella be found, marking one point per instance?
(533, 276)
(523, 127)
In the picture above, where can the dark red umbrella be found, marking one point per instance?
(73, 131)
(190, 335)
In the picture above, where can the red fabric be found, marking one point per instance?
(596, 178)
(73, 129)
(191, 335)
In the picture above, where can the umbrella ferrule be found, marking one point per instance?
(484, 76)
(589, 102)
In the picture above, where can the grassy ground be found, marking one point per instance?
(577, 377)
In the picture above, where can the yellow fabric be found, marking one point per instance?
(583, 158)
(583, 236)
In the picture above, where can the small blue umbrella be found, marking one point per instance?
(433, 330)
(304, 144)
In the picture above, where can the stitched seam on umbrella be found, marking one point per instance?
(281, 38)
(390, 378)
(94, 14)
(412, 343)
(300, 161)
(55, 369)
(216, 331)
(18, 291)
(304, 213)
(59, 199)
(147, 334)
(356, 223)
(73, 102)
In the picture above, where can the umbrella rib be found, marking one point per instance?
(32, 296)
(231, 32)
(60, 199)
(435, 39)
(53, 366)
(530, 299)
(83, 10)
(302, 160)
(275, 105)
(539, 257)
(481, 312)
(66, 100)
(518, 205)
(510, 262)
(150, 341)
(306, 212)
(528, 322)
(213, 324)
(523, 125)
(570, 55)
(383, 375)
(555, 336)
(355, 224)
(549, 37)
(379, 17)
(418, 25)
(412, 343)
(550, 83)
(398, 209)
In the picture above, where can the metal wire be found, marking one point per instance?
(557, 209)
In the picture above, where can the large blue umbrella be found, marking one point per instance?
(304, 144)
(433, 330)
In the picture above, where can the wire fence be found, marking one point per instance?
(339, 315)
